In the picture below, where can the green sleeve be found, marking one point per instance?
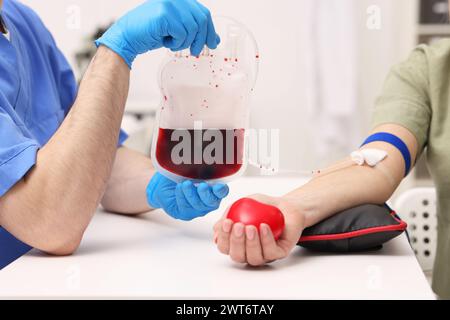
(405, 97)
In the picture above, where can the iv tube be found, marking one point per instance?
(346, 163)
(370, 157)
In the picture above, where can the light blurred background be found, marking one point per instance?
(323, 63)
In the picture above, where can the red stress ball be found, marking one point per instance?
(252, 212)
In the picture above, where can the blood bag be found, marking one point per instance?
(205, 108)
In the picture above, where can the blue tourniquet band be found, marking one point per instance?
(396, 142)
(11, 248)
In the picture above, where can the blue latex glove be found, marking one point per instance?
(174, 24)
(184, 201)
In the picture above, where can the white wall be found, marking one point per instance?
(281, 30)
(380, 49)
(57, 15)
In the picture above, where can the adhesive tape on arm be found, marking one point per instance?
(358, 158)
(374, 156)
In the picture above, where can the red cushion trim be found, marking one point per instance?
(357, 233)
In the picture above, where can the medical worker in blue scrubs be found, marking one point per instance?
(61, 151)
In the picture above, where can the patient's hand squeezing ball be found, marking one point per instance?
(251, 212)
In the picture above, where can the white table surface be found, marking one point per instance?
(153, 256)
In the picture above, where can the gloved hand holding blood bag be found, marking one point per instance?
(205, 108)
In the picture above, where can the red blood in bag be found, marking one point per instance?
(251, 212)
(230, 149)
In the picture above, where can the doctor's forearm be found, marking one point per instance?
(125, 191)
(52, 206)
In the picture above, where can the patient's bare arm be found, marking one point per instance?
(355, 185)
(322, 197)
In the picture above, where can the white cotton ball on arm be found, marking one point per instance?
(371, 157)
(358, 158)
(374, 156)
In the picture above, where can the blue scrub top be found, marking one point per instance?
(37, 90)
